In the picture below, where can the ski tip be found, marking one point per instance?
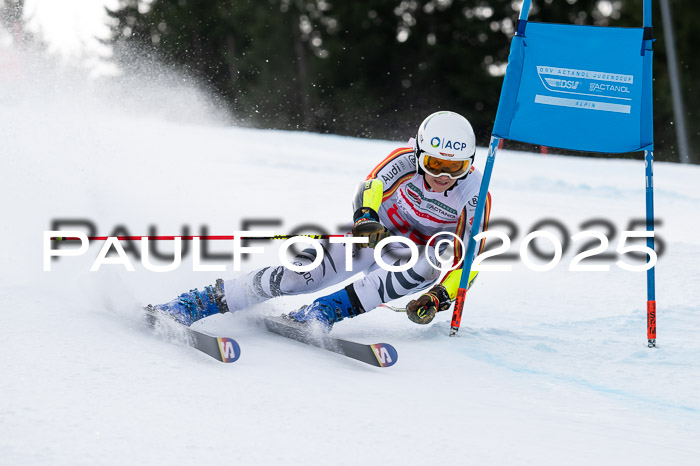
(385, 353)
(229, 349)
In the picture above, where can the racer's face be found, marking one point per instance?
(439, 184)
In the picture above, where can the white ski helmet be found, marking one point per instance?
(445, 145)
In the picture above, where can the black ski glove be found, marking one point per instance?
(367, 224)
(423, 309)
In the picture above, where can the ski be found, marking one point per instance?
(220, 348)
(378, 354)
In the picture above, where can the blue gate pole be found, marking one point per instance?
(471, 244)
(651, 279)
(649, 177)
(481, 203)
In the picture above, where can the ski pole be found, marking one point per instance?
(395, 309)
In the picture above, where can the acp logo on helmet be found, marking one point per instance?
(447, 144)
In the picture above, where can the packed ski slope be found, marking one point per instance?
(548, 368)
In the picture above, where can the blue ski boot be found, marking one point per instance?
(194, 305)
(330, 309)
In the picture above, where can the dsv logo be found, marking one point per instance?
(563, 83)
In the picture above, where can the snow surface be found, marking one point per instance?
(548, 368)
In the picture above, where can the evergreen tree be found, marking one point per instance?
(685, 19)
(372, 68)
(12, 20)
(252, 52)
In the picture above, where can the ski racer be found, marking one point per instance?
(429, 187)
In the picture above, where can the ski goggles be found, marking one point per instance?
(434, 166)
